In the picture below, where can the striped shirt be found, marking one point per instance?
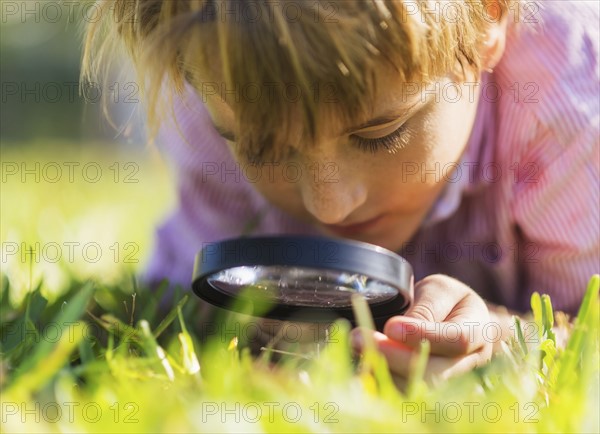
(520, 212)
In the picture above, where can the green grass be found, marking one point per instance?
(90, 351)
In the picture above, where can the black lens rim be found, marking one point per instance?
(314, 252)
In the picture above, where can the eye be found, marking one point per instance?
(392, 143)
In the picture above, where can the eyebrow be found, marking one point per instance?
(379, 120)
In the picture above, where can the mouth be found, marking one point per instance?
(355, 228)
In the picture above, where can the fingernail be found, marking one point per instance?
(400, 331)
(394, 331)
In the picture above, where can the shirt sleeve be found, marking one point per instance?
(213, 200)
(557, 212)
(556, 201)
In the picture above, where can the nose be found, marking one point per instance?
(333, 192)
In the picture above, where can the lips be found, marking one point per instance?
(355, 228)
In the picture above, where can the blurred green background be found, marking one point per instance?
(68, 178)
(40, 44)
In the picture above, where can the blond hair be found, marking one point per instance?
(268, 46)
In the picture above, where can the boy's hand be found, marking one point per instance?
(447, 313)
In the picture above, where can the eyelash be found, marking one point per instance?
(392, 143)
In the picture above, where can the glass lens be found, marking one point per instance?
(302, 286)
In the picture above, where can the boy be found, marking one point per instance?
(461, 134)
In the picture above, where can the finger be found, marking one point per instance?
(461, 332)
(442, 368)
(447, 313)
(438, 367)
(435, 298)
(448, 339)
(397, 355)
(361, 338)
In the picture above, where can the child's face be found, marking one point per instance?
(346, 190)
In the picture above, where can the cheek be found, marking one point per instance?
(281, 187)
(278, 183)
(457, 119)
(412, 178)
(446, 133)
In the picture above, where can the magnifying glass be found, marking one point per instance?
(312, 278)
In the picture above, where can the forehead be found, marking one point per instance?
(388, 93)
